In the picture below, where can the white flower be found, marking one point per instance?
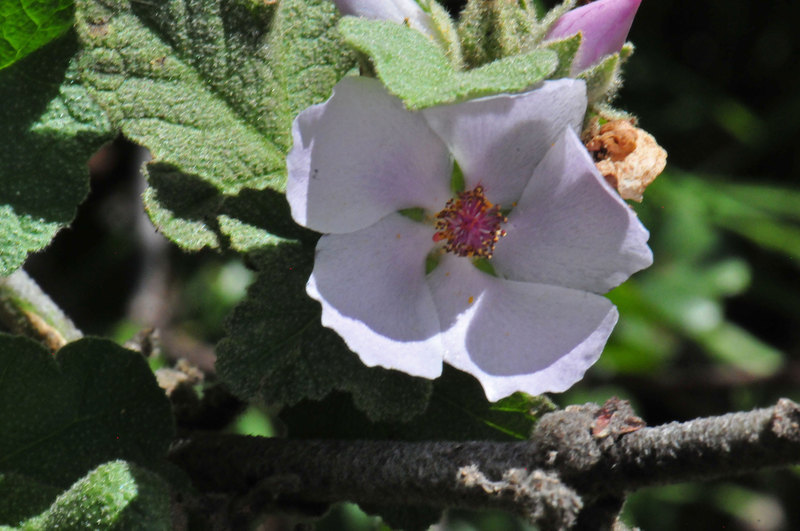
(562, 236)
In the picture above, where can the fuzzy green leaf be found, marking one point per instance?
(93, 402)
(210, 88)
(277, 350)
(458, 410)
(114, 496)
(50, 127)
(27, 25)
(416, 70)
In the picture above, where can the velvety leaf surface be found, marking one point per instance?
(210, 88)
(115, 495)
(457, 410)
(50, 127)
(27, 25)
(93, 402)
(278, 351)
(417, 71)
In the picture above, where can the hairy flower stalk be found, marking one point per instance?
(500, 279)
(603, 25)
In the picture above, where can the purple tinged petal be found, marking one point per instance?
(517, 336)
(360, 156)
(371, 284)
(498, 140)
(400, 11)
(604, 26)
(537, 326)
(570, 228)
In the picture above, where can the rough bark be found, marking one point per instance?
(576, 468)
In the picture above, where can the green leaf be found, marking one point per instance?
(458, 410)
(50, 127)
(27, 25)
(277, 350)
(22, 497)
(211, 90)
(417, 71)
(115, 495)
(93, 402)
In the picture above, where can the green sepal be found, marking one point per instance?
(566, 50)
(602, 80)
(278, 352)
(626, 51)
(484, 265)
(27, 25)
(493, 30)
(475, 29)
(446, 32)
(432, 261)
(457, 180)
(416, 213)
(416, 70)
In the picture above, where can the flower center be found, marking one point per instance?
(470, 224)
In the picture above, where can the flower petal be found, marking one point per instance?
(571, 228)
(400, 11)
(498, 140)
(604, 25)
(360, 156)
(371, 284)
(518, 336)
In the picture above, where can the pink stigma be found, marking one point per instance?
(470, 224)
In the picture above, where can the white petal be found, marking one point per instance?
(371, 284)
(400, 11)
(518, 336)
(570, 228)
(499, 140)
(360, 156)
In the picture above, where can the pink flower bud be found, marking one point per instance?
(604, 25)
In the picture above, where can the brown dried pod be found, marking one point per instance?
(628, 157)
